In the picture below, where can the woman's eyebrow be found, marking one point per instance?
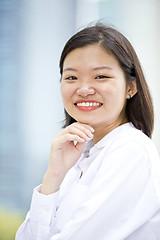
(94, 69)
(103, 67)
(69, 69)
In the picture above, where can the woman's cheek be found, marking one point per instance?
(64, 91)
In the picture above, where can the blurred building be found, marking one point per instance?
(11, 148)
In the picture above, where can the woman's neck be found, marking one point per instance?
(102, 131)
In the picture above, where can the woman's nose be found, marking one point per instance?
(84, 91)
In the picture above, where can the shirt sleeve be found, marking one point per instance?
(38, 220)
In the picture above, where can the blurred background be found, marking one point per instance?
(32, 36)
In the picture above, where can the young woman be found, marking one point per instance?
(103, 176)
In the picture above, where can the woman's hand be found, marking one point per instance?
(66, 148)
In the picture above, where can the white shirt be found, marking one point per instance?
(117, 197)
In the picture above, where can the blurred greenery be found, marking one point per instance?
(9, 223)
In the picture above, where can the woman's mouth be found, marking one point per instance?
(88, 105)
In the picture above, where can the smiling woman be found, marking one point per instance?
(103, 176)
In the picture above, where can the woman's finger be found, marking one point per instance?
(86, 129)
(87, 135)
(73, 137)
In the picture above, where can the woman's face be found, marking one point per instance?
(93, 87)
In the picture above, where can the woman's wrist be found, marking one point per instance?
(51, 183)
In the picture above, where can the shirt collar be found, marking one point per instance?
(91, 149)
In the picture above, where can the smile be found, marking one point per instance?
(88, 105)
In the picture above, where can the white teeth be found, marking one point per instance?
(88, 104)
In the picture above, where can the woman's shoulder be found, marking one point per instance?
(131, 142)
(130, 135)
(127, 142)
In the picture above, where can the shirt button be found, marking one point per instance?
(46, 209)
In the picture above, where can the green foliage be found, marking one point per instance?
(9, 223)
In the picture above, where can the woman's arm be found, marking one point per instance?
(63, 155)
(43, 207)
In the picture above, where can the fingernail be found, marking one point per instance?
(89, 138)
(92, 129)
(90, 135)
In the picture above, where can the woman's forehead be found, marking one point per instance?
(94, 56)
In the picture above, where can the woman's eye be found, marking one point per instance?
(101, 77)
(71, 78)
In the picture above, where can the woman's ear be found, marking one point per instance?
(132, 89)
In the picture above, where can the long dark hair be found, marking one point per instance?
(139, 109)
